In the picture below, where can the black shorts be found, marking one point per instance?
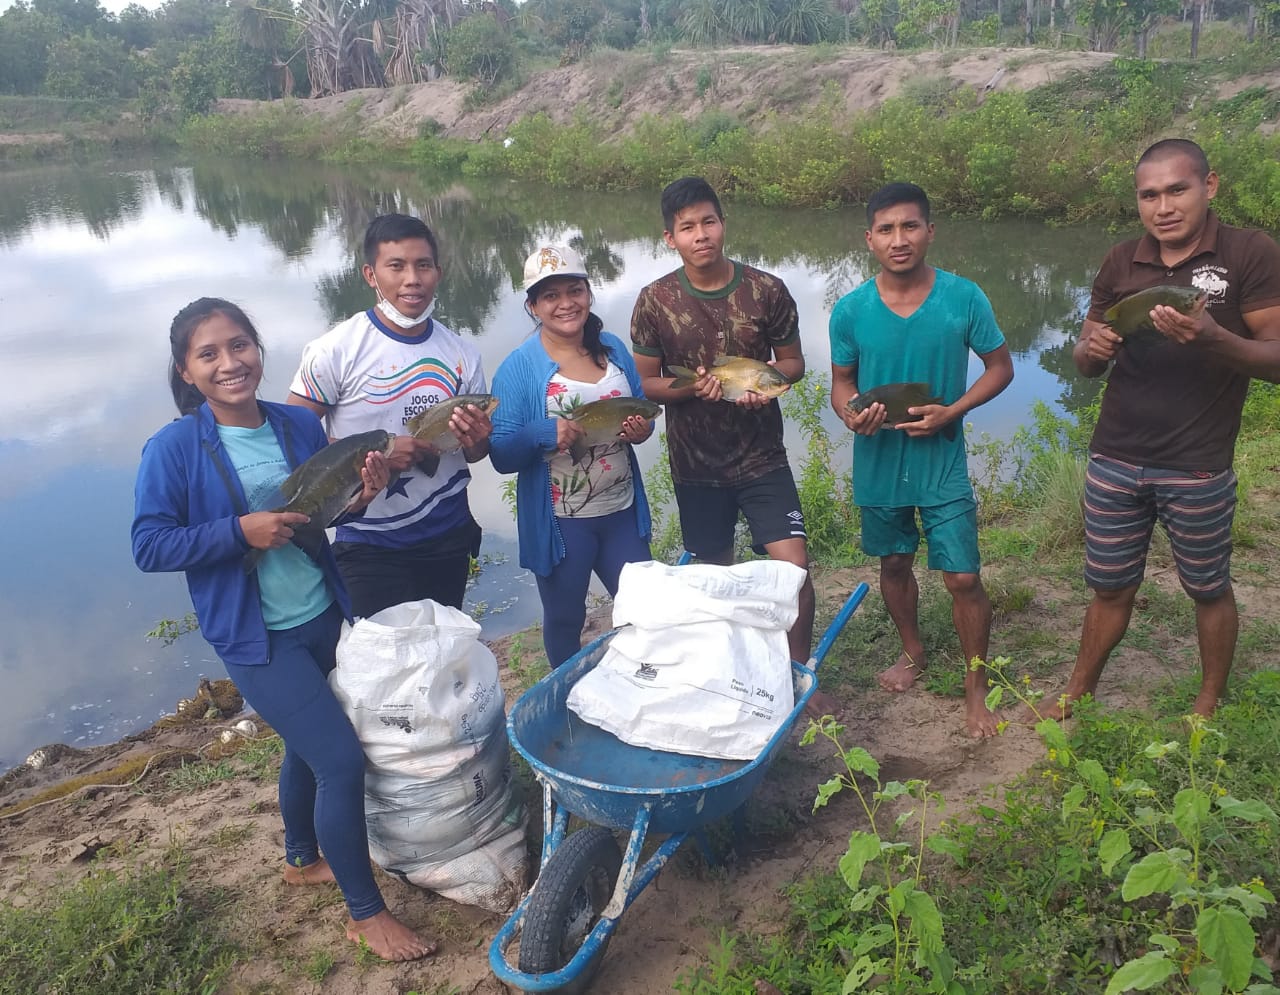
(378, 577)
(708, 515)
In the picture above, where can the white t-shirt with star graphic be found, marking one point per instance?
(371, 376)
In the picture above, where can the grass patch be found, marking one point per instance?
(192, 777)
(115, 933)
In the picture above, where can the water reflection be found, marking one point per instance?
(96, 260)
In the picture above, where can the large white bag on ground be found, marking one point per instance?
(422, 692)
(703, 666)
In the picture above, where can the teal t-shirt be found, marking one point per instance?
(890, 468)
(291, 587)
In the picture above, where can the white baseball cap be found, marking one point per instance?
(551, 260)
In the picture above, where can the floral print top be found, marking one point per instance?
(603, 485)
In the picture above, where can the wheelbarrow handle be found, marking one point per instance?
(837, 625)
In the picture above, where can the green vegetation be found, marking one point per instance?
(1141, 853)
(116, 933)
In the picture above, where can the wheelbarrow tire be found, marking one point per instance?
(570, 894)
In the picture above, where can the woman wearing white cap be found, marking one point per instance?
(574, 517)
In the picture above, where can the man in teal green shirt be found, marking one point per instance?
(912, 323)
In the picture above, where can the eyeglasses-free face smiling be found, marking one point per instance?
(224, 364)
(405, 274)
(1173, 200)
(562, 304)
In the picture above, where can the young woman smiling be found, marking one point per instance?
(202, 484)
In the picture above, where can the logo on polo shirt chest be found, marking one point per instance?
(1213, 281)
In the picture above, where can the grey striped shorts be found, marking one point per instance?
(1122, 503)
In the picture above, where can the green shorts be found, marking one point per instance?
(950, 529)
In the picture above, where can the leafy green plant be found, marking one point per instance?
(901, 950)
(1201, 937)
(169, 630)
(826, 495)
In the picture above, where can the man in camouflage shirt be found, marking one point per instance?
(725, 457)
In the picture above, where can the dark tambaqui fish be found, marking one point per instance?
(432, 425)
(1133, 314)
(324, 487)
(897, 398)
(603, 420)
(737, 376)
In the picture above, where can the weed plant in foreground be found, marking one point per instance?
(1140, 855)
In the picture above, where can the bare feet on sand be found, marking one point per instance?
(981, 722)
(904, 673)
(317, 873)
(819, 704)
(388, 937)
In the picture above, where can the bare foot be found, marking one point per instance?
(1205, 705)
(820, 703)
(315, 873)
(902, 674)
(389, 938)
(1058, 709)
(981, 722)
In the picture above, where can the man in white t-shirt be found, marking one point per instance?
(377, 370)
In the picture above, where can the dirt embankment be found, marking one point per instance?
(749, 83)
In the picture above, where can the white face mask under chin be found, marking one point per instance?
(398, 318)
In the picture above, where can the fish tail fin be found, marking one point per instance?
(579, 450)
(310, 541)
(251, 560)
(949, 431)
(684, 377)
(429, 463)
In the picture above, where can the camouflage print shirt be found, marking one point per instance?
(721, 444)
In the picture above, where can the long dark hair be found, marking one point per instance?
(590, 331)
(186, 396)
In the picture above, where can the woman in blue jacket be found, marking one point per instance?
(275, 629)
(573, 517)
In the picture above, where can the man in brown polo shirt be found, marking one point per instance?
(1165, 438)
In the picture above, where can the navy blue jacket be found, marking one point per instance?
(187, 506)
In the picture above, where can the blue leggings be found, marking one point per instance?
(601, 544)
(322, 776)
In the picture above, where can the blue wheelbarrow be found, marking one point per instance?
(584, 883)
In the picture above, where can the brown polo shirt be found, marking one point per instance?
(1172, 405)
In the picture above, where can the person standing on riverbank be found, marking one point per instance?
(574, 516)
(914, 323)
(1164, 443)
(378, 369)
(725, 456)
(275, 630)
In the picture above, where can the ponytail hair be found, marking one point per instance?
(186, 396)
(591, 341)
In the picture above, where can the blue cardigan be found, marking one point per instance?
(523, 436)
(187, 506)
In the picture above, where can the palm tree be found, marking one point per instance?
(749, 20)
(702, 23)
(804, 22)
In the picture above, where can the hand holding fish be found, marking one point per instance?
(930, 419)
(471, 425)
(375, 475)
(405, 452)
(635, 430)
(270, 529)
(707, 387)
(568, 432)
(1194, 326)
(867, 421)
(1101, 344)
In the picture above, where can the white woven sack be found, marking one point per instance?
(419, 687)
(422, 693)
(704, 667)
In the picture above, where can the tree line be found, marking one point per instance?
(180, 57)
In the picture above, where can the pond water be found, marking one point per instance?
(96, 259)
